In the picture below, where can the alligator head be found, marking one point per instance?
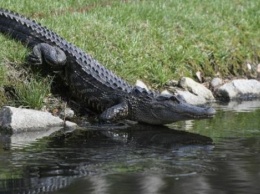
(165, 109)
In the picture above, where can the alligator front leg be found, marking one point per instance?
(51, 55)
(116, 112)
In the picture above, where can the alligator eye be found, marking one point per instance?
(168, 97)
(174, 98)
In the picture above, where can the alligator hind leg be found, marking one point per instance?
(45, 53)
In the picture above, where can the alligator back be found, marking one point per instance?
(86, 76)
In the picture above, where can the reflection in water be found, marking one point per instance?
(56, 162)
(240, 106)
(228, 171)
(141, 159)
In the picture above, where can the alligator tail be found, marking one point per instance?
(24, 30)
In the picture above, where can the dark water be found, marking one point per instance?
(220, 155)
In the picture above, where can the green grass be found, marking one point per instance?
(152, 40)
(2, 73)
(32, 93)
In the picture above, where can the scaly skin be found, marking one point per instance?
(91, 83)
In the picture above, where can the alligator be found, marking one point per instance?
(93, 85)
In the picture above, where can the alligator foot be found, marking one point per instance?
(116, 112)
(45, 53)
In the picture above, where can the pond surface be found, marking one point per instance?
(220, 155)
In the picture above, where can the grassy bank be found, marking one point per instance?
(152, 40)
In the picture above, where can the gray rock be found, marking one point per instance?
(215, 82)
(196, 88)
(16, 120)
(190, 98)
(198, 93)
(70, 126)
(239, 89)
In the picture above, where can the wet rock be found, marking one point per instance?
(239, 89)
(193, 92)
(16, 120)
(70, 126)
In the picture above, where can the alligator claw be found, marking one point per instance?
(116, 112)
(33, 60)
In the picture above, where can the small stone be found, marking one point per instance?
(165, 92)
(216, 82)
(68, 113)
(249, 67)
(199, 76)
(141, 84)
(196, 88)
(70, 126)
(258, 68)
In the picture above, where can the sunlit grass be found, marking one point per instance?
(151, 40)
(157, 40)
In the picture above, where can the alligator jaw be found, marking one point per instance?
(185, 111)
(199, 112)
